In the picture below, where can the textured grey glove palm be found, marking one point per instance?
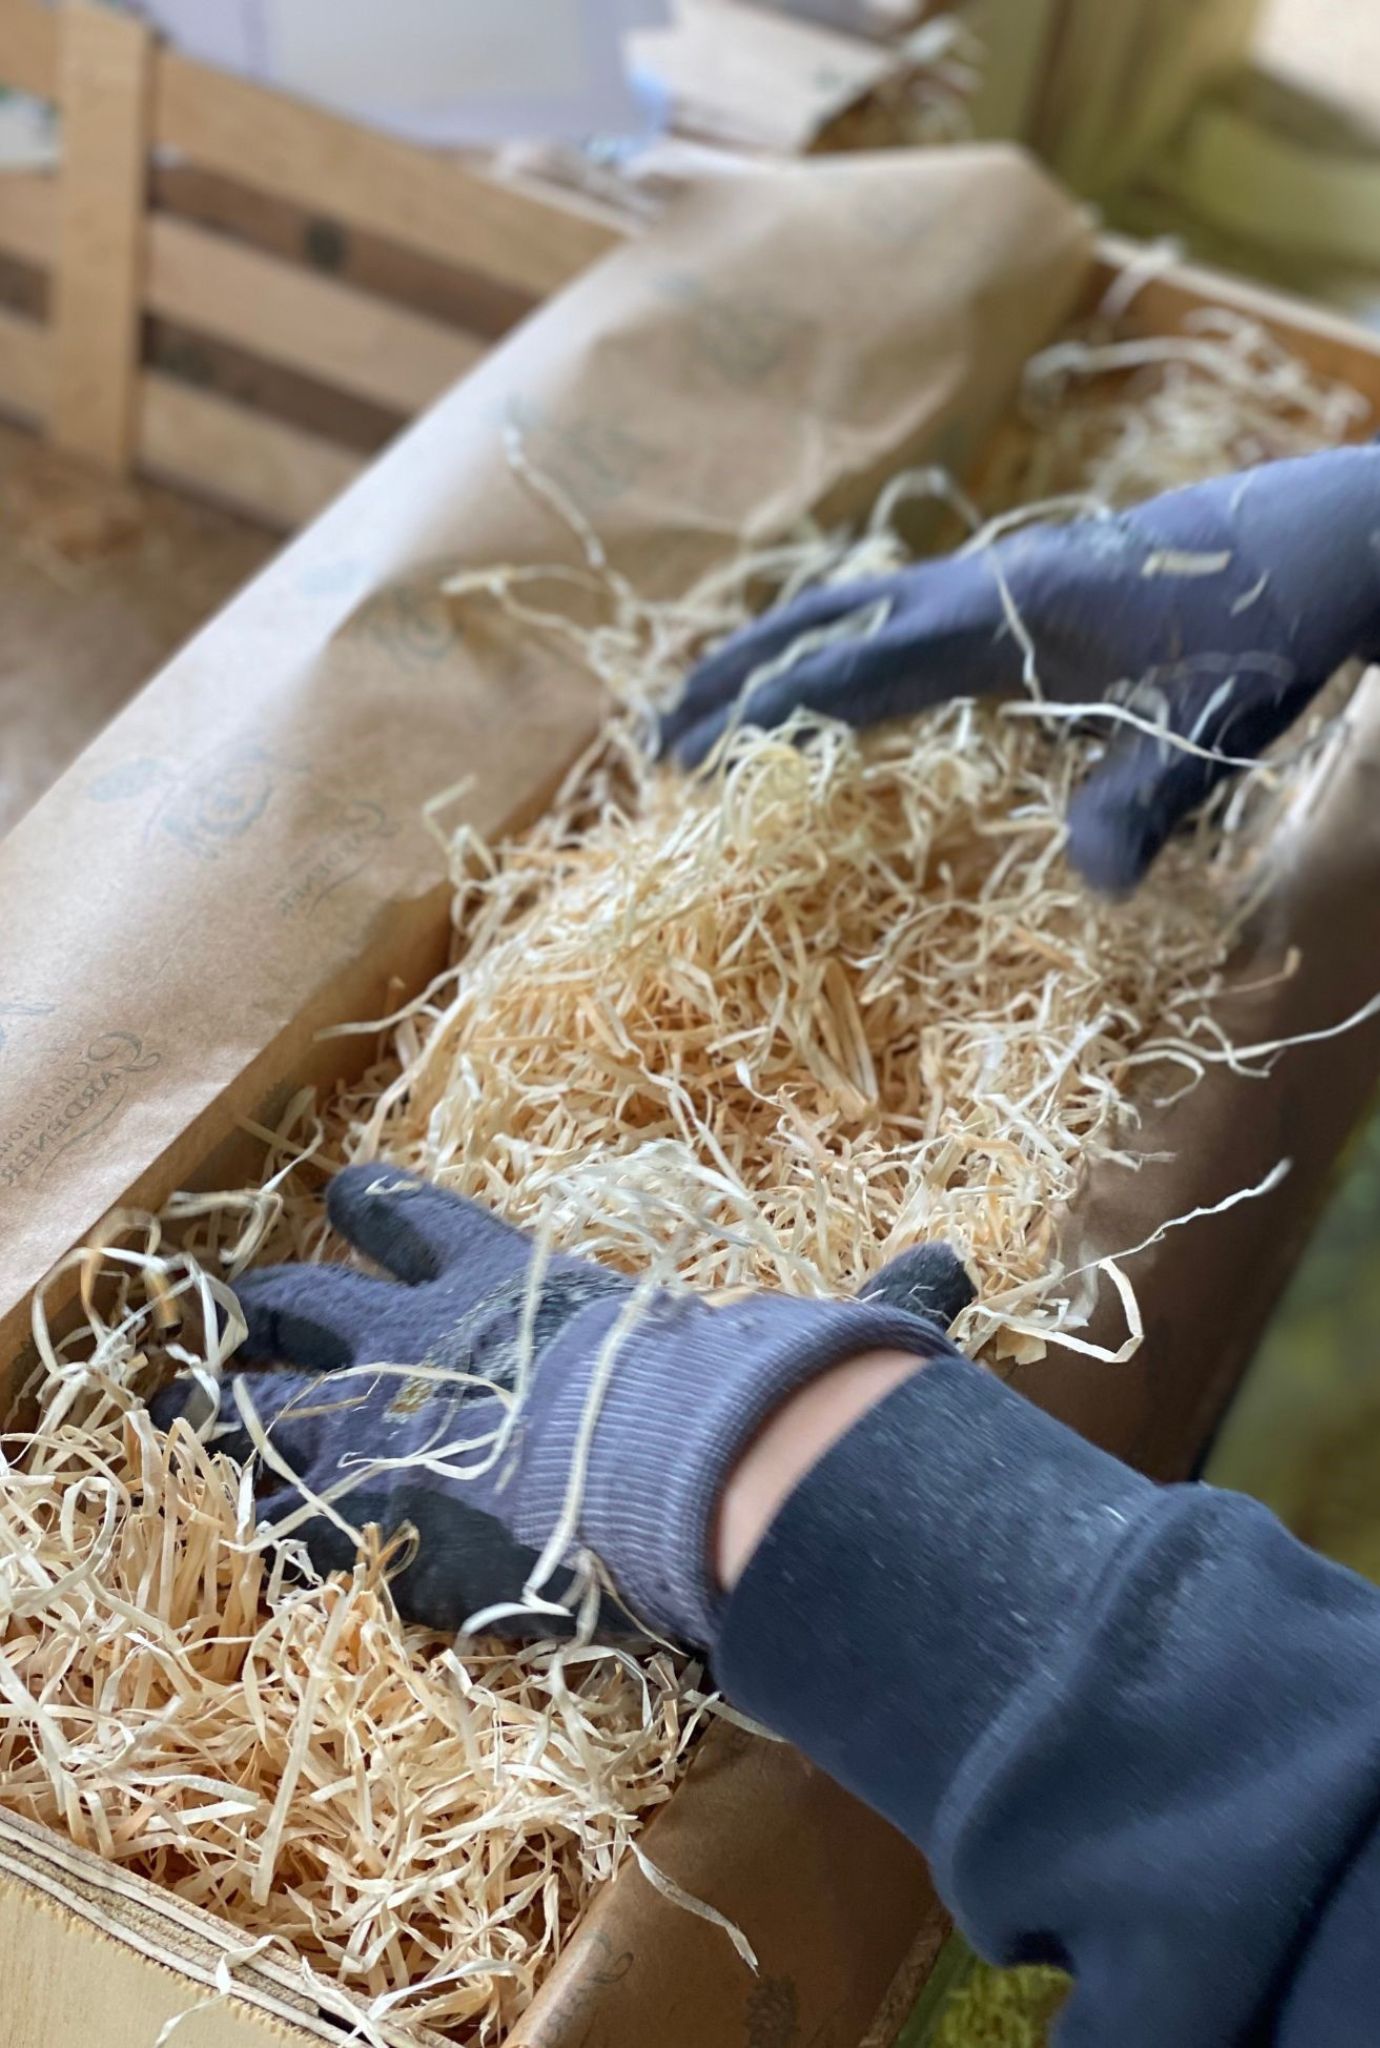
(688, 1386)
(1227, 606)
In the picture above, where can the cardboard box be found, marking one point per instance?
(238, 861)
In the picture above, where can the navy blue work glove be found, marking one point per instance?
(688, 1388)
(1227, 606)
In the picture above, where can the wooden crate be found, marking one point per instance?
(246, 295)
(79, 1937)
(203, 223)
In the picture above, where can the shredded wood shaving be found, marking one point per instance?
(846, 999)
(831, 1000)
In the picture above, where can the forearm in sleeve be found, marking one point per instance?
(1135, 1729)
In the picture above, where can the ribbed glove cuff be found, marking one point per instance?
(689, 1386)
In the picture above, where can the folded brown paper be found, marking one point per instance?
(240, 858)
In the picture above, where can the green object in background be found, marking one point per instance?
(1304, 1432)
(967, 2004)
(1304, 1437)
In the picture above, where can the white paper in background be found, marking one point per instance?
(450, 72)
(231, 34)
(28, 135)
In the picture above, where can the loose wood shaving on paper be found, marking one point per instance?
(837, 999)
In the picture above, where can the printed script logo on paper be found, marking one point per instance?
(592, 457)
(205, 806)
(211, 806)
(76, 1102)
(349, 832)
(410, 622)
(595, 1969)
(742, 336)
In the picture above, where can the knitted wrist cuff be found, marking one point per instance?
(689, 1387)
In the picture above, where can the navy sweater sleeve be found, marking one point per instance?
(1135, 1729)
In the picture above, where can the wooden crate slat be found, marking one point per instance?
(347, 172)
(41, 1870)
(336, 167)
(344, 336)
(329, 331)
(1333, 344)
(259, 466)
(29, 48)
(29, 217)
(104, 93)
(26, 368)
(76, 1941)
(110, 257)
(467, 299)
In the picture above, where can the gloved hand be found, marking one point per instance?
(1227, 606)
(689, 1385)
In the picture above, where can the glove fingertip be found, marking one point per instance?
(397, 1219)
(674, 727)
(693, 750)
(283, 1323)
(414, 1229)
(187, 1399)
(929, 1280)
(174, 1401)
(1113, 840)
(357, 1190)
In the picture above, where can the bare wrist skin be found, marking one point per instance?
(790, 1443)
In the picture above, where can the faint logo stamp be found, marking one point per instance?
(349, 831)
(741, 336)
(74, 1103)
(215, 804)
(205, 807)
